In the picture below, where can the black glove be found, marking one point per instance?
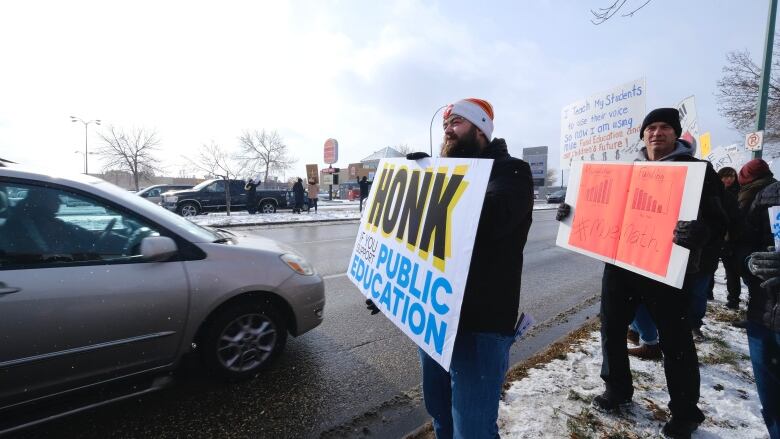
(564, 210)
(371, 306)
(691, 234)
(766, 266)
(416, 155)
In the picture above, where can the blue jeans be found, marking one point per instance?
(697, 307)
(765, 355)
(644, 325)
(464, 401)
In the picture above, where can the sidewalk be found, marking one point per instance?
(336, 210)
(549, 395)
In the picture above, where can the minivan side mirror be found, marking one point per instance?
(158, 248)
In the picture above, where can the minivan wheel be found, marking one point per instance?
(189, 209)
(243, 339)
(267, 207)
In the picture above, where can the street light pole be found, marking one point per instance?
(86, 137)
(430, 130)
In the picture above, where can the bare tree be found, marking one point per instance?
(403, 148)
(132, 152)
(604, 14)
(551, 177)
(265, 152)
(737, 93)
(216, 162)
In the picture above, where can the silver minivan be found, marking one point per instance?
(98, 286)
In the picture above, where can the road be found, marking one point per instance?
(338, 377)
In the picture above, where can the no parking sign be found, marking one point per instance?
(754, 141)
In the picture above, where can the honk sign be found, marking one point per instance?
(413, 248)
(625, 214)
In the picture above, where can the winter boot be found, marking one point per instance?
(677, 429)
(632, 337)
(607, 403)
(647, 352)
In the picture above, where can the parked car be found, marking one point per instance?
(209, 196)
(557, 196)
(113, 290)
(154, 193)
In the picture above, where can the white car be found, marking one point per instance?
(99, 286)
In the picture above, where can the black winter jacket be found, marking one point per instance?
(492, 295)
(763, 304)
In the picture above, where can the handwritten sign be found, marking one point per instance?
(625, 214)
(689, 122)
(413, 249)
(604, 126)
(774, 224)
(733, 156)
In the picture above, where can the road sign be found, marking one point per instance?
(331, 151)
(754, 141)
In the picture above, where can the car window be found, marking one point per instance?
(154, 192)
(46, 225)
(236, 187)
(217, 186)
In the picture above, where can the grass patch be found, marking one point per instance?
(720, 355)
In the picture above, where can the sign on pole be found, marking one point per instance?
(331, 151)
(537, 160)
(625, 214)
(754, 141)
(414, 244)
(604, 126)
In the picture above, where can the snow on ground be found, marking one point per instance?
(554, 400)
(326, 211)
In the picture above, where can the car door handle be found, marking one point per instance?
(8, 290)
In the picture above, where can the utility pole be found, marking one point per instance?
(766, 72)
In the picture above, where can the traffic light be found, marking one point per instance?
(336, 177)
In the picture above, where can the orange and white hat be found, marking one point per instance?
(477, 111)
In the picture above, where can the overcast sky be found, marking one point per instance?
(367, 73)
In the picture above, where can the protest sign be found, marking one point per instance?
(413, 248)
(312, 173)
(705, 144)
(625, 214)
(774, 224)
(733, 156)
(689, 123)
(604, 126)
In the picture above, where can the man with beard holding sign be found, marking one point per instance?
(464, 401)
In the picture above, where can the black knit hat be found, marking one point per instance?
(668, 115)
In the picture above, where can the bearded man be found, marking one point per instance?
(464, 401)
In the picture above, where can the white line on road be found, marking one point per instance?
(333, 276)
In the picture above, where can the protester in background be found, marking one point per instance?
(314, 190)
(763, 327)
(363, 183)
(753, 177)
(731, 264)
(298, 196)
(464, 401)
(623, 290)
(251, 195)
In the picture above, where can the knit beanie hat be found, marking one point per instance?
(477, 111)
(753, 170)
(668, 115)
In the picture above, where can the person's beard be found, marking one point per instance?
(465, 146)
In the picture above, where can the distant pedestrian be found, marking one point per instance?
(251, 195)
(363, 183)
(298, 196)
(314, 190)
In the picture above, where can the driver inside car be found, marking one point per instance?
(33, 229)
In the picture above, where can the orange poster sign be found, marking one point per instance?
(651, 214)
(598, 214)
(625, 214)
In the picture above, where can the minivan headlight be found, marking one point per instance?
(298, 264)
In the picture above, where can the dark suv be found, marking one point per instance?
(209, 196)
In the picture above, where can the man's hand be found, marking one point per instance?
(766, 266)
(564, 210)
(691, 234)
(416, 155)
(371, 306)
